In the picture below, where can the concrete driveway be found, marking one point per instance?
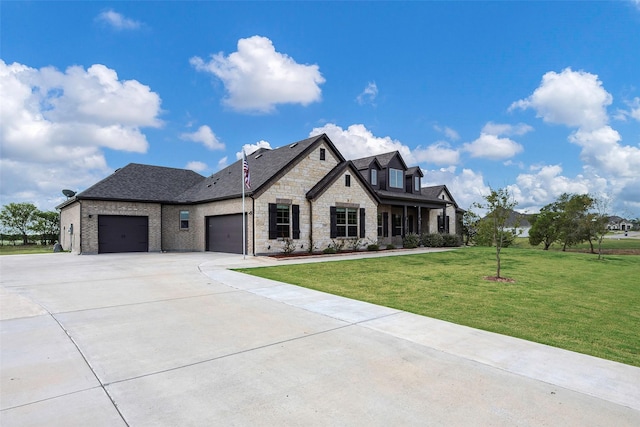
(180, 340)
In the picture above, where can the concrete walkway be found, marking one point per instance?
(178, 339)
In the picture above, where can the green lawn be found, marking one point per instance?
(25, 249)
(567, 300)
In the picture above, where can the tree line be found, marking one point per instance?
(569, 220)
(25, 221)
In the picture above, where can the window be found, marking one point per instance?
(347, 180)
(282, 220)
(347, 222)
(396, 178)
(374, 177)
(184, 220)
(380, 226)
(322, 154)
(416, 183)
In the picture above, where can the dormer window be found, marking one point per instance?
(396, 178)
(416, 184)
(374, 177)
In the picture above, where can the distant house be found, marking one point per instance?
(616, 223)
(304, 194)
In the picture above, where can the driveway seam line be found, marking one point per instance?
(113, 402)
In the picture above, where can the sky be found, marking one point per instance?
(541, 98)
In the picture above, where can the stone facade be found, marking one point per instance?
(338, 194)
(292, 187)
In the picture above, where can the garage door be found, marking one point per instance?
(224, 233)
(118, 233)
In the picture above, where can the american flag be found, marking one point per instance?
(245, 171)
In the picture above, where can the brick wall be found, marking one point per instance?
(91, 209)
(70, 219)
(194, 238)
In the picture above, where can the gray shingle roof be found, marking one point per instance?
(142, 183)
(265, 166)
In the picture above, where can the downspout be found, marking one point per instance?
(311, 243)
(80, 231)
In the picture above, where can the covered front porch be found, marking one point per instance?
(396, 220)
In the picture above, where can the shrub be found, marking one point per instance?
(354, 244)
(391, 246)
(373, 247)
(451, 240)
(288, 246)
(337, 244)
(410, 241)
(433, 240)
(329, 250)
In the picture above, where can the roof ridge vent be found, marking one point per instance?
(293, 145)
(258, 156)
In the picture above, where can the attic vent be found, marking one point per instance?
(258, 156)
(293, 145)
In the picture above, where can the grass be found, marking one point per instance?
(567, 300)
(25, 249)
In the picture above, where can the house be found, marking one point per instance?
(619, 224)
(305, 194)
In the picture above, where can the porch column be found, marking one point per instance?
(419, 220)
(406, 221)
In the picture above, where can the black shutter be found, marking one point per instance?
(273, 221)
(295, 212)
(334, 222)
(385, 224)
(363, 229)
(447, 225)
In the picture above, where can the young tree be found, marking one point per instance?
(469, 226)
(500, 204)
(599, 218)
(18, 217)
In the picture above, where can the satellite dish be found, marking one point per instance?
(69, 193)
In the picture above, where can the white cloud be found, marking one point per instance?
(117, 20)
(492, 147)
(205, 136)
(357, 141)
(223, 162)
(368, 95)
(59, 122)
(466, 187)
(257, 77)
(252, 148)
(439, 153)
(450, 133)
(633, 111)
(506, 129)
(196, 166)
(571, 98)
(601, 150)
